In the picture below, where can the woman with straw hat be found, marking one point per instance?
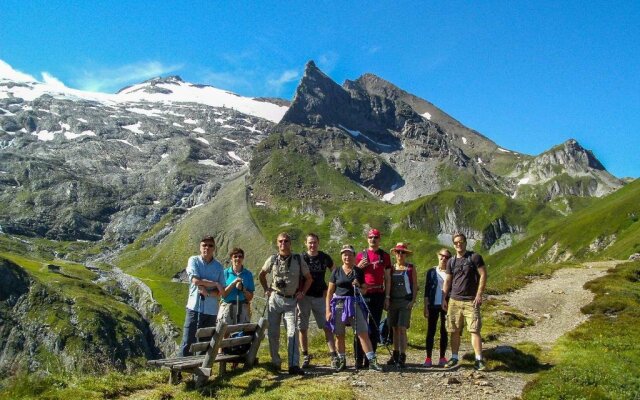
(402, 293)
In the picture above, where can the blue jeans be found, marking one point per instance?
(192, 322)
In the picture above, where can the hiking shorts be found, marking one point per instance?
(228, 312)
(359, 325)
(310, 304)
(399, 315)
(461, 311)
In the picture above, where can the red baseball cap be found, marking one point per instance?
(373, 232)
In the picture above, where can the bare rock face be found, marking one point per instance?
(401, 147)
(78, 169)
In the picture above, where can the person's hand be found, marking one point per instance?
(425, 312)
(238, 283)
(267, 292)
(299, 295)
(477, 302)
(386, 304)
(328, 314)
(410, 305)
(363, 263)
(202, 291)
(445, 304)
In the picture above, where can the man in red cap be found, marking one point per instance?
(376, 264)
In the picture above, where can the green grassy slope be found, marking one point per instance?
(64, 310)
(600, 359)
(611, 221)
(226, 218)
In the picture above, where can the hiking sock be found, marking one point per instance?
(455, 356)
(370, 355)
(478, 357)
(342, 356)
(333, 354)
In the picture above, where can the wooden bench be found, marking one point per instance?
(201, 365)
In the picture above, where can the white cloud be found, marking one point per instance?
(52, 80)
(7, 72)
(111, 79)
(286, 77)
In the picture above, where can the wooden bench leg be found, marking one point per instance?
(201, 380)
(174, 377)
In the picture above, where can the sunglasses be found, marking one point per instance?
(401, 252)
(283, 241)
(459, 243)
(444, 255)
(207, 245)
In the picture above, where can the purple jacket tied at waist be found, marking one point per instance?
(348, 311)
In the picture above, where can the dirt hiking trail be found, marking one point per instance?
(554, 305)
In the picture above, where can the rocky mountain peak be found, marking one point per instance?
(572, 152)
(318, 100)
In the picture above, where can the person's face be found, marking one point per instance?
(443, 256)
(312, 244)
(284, 245)
(460, 244)
(237, 259)
(401, 256)
(374, 241)
(348, 258)
(207, 248)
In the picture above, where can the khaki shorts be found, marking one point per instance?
(359, 325)
(228, 311)
(306, 306)
(461, 311)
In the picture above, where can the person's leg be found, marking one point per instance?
(188, 332)
(304, 313)
(376, 306)
(432, 323)
(293, 350)
(318, 307)
(274, 316)
(455, 324)
(444, 337)
(476, 342)
(402, 344)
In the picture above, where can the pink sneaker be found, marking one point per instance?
(442, 361)
(427, 362)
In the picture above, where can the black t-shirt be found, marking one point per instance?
(318, 266)
(344, 282)
(466, 277)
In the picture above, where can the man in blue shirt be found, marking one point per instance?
(206, 282)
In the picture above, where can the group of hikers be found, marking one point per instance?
(356, 294)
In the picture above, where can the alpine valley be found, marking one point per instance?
(104, 196)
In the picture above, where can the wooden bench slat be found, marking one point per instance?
(208, 332)
(229, 342)
(200, 346)
(164, 360)
(230, 357)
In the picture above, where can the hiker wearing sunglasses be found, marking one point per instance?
(403, 293)
(238, 291)
(465, 282)
(206, 283)
(290, 281)
(433, 310)
(376, 265)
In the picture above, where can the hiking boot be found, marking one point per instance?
(442, 362)
(394, 358)
(374, 366)
(427, 362)
(335, 360)
(295, 370)
(341, 365)
(451, 363)
(480, 365)
(306, 360)
(402, 360)
(359, 363)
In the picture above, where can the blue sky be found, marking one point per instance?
(528, 75)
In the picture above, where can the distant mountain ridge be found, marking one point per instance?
(415, 149)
